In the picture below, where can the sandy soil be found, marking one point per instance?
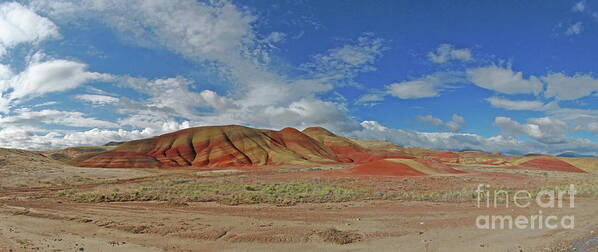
(381, 225)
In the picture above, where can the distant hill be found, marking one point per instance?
(573, 154)
(113, 143)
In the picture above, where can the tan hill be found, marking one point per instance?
(11, 159)
(74, 155)
(337, 143)
(378, 145)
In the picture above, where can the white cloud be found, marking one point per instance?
(577, 118)
(504, 80)
(50, 76)
(40, 78)
(573, 87)
(204, 31)
(579, 7)
(348, 60)
(97, 99)
(49, 116)
(593, 127)
(520, 104)
(302, 113)
(414, 89)
(447, 52)
(370, 99)
(431, 120)
(27, 137)
(427, 86)
(454, 125)
(44, 104)
(5, 73)
(574, 29)
(545, 129)
(222, 34)
(458, 119)
(19, 24)
(170, 95)
(373, 125)
(219, 103)
(463, 141)
(275, 37)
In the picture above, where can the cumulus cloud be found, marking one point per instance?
(40, 78)
(520, 104)
(49, 116)
(464, 141)
(458, 119)
(302, 113)
(454, 125)
(427, 86)
(578, 119)
(195, 30)
(574, 29)
(373, 125)
(19, 24)
(544, 129)
(222, 34)
(504, 80)
(573, 87)
(27, 137)
(579, 6)
(170, 96)
(431, 120)
(447, 52)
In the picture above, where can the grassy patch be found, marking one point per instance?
(339, 237)
(229, 193)
(240, 190)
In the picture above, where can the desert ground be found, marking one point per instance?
(409, 200)
(65, 208)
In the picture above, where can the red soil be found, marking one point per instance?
(439, 167)
(385, 168)
(365, 157)
(446, 156)
(121, 159)
(494, 162)
(549, 164)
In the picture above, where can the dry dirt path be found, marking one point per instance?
(370, 225)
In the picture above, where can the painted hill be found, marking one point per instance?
(549, 164)
(402, 167)
(233, 145)
(236, 146)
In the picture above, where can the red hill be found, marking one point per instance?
(232, 145)
(549, 164)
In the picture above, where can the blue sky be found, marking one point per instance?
(508, 76)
